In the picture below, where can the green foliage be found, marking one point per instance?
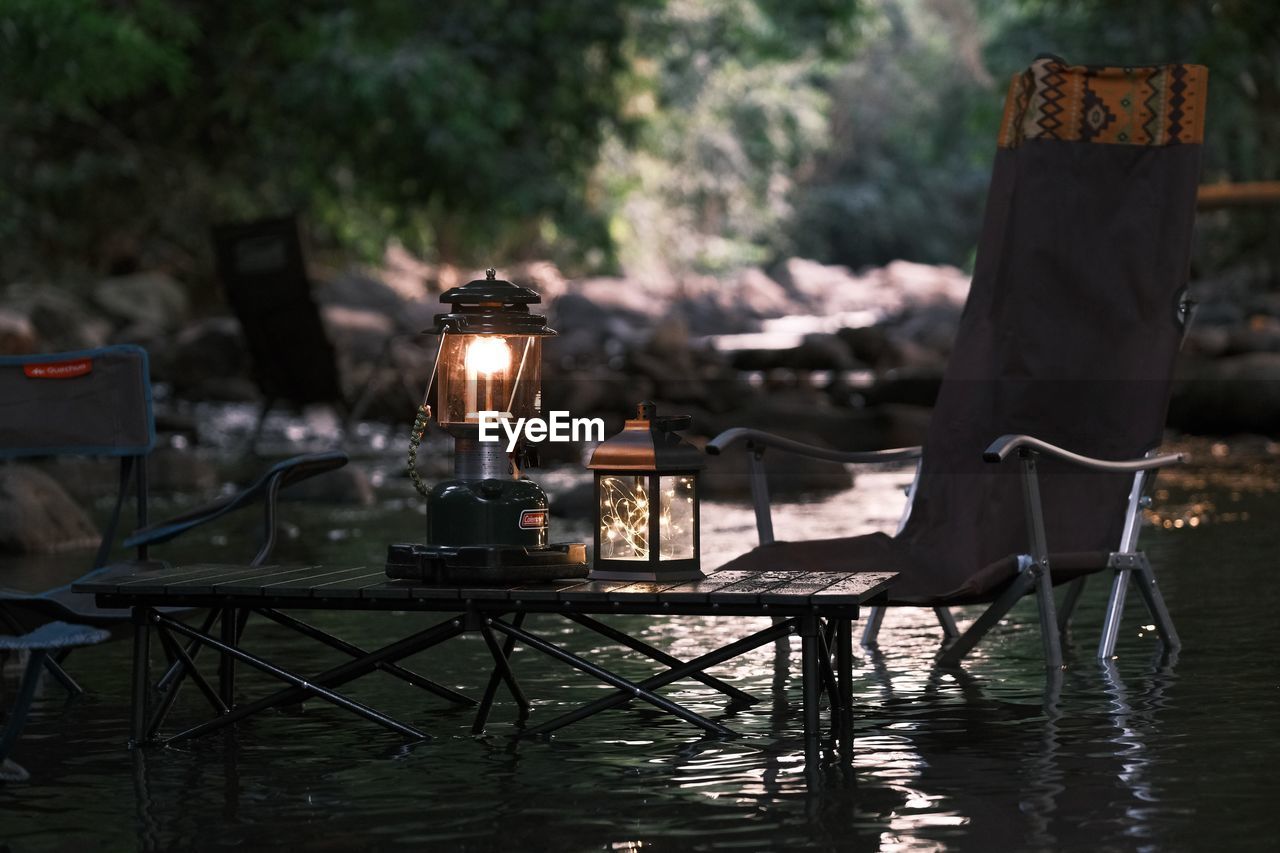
(658, 135)
(913, 123)
(460, 127)
(733, 98)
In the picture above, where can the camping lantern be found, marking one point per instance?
(646, 501)
(490, 522)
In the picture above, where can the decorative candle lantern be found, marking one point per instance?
(646, 500)
(490, 522)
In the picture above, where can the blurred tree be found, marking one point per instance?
(733, 99)
(913, 123)
(460, 127)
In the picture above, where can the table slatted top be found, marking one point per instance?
(321, 583)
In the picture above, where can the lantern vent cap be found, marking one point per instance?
(491, 306)
(649, 442)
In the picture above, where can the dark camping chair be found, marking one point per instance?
(1076, 312)
(98, 403)
(263, 271)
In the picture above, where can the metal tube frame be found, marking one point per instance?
(146, 726)
(1034, 574)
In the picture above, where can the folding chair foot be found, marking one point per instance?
(1150, 591)
(871, 631)
(947, 621)
(21, 707)
(953, 654)
(64, 678)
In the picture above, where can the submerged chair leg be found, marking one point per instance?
(1155, 603)
(871, 631)
(1127, 566)
(1069, 602)
(1049, 632)
(947, 621)
(1115, 611)
(953, 654)
(18, 714)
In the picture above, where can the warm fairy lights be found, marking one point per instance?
(625, 505)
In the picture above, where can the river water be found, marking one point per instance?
(1150, 752)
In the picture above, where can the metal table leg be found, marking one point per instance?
(227, 663)
(844, 674)
(810, 675)
(141, 676)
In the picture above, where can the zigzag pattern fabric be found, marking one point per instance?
(1121, 105)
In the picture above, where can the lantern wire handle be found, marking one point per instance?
(419, 428)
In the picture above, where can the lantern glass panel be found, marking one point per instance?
(494, 373)
(625, 504)
(677, 519)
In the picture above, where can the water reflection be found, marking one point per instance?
(1143, 751)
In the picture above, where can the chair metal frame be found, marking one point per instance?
(1034, 570)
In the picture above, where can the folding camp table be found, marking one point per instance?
(820, 607)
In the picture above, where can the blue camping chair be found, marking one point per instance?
(98, 403)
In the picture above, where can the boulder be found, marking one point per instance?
(147, 300)
(37, 516)
(1229, 395)
(359, 335)
(349, 485)
(60, 319)
(17, 334)
(208, 360)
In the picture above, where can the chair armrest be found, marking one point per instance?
(753, 439)
(285, 474)
(1007, 444)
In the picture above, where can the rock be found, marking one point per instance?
(406, 307)
(359, 335)
(148, 300)
(37, 516)
(1229, 395)
(913, 386)
(17, 335)
(760, 296)
(1260, 334)
(816, 352)
(1207, 341)
(61, 320)
(349, 485)
(182, 472)
(882, 291)
(207, 360)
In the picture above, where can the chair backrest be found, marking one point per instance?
(1072, 323)
(262, 268)
(87, 403)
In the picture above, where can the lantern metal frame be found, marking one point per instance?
(648, 448)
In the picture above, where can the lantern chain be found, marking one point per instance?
(415, 438)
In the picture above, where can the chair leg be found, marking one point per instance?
(953, 654)
(1069, 603)
(64, 678)
(1115, 610)
(1155, 603)
(871, 631)
(947, 621)
(1049, 632)
(26, 693)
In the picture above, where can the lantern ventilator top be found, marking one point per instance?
(648, 442)
(491, 306)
